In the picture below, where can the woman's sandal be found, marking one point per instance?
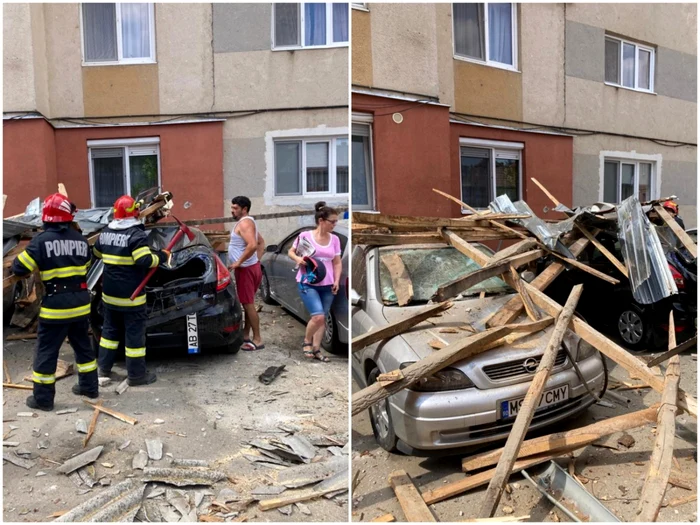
(308, 353)
(322, 358)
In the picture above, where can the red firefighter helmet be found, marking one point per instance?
(125, 206)
(57, 208)
(671, 206)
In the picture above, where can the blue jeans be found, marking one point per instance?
(316, 299)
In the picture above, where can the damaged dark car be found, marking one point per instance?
(192, 306)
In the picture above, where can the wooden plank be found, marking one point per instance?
(386, 518)
(499, 519)
(674, 351)
(545, 191)
(530, 309)
(298, 497)
(62, 190)
(577, 438)
(519, 247)
(586, 268)
(8, 377)
(93, 424)
(19, 387)
(509, 456)
(607, 253)
(399, 239)
(457, 351)
(397, 327)
(412, 504)
(521, 331)
(400, 279)
(662, 454)
(113, 413)
(412, 223)
(454, 288)
(678, 231)
(19, 336)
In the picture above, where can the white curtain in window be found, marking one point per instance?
(341, 166)
(500, 33)
(99, 32)
(315, 24)
(340, 22)
(136, 29)
(612, 61)
(286, 25)
(287, 168)
(317, 166)
(644, 182)
(628, 65)
(644, 68)
(469, 30)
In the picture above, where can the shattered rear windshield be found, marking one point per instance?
(430, 268)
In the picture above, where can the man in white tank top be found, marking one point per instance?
(244, 252)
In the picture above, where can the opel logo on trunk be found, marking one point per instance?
(530, 365)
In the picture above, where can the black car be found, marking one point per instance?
(191, 306)
(613, 309)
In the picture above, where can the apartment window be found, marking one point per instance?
(118, 34)
(310, 25)
(489, 169)
(485, 33)
(124, 167)
(624, 178)
(311, 166)
(629, 65)
(362, 169)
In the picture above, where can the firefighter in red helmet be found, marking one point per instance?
(61, 255)
(671, 207)
(123, 246)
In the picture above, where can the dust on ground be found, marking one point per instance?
(210, 404)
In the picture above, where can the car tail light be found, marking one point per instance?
(677, 277)
(232, 328)
(676, 328)
(223, 277)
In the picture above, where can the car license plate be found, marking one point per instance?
(192, 334)
(550, 397)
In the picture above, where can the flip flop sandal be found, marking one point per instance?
(308, 353)
(322, 358)
(252, 347)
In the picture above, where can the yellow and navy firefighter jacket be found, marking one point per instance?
(62, 257)
(127, 258)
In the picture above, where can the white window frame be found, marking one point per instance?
(332, 166)
(637, 48)
(302, 29)
(631, 157)
(367, 120)
(487, 61)
(360, 6)
(121, 61)
(495, 146)
(121, 143)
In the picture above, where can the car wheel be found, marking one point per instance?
(633, 328)
(265, 290)
(380, 418)
(330, 341)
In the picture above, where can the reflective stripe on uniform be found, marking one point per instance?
(121, 301)
(156, 261)
(141, 252)
(135, 352)
(87, 367)
(27, 261)
(118, 260)
(97, 252)
(66, 271)
(44, 379)
(109, 344)
(64, 313)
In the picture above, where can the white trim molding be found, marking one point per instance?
(656, 161)
(490, 143)
(123, 142)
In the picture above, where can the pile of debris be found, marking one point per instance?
(562, 241)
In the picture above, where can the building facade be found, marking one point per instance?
(595, 101)
(208, 101)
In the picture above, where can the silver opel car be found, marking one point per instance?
(474, 401)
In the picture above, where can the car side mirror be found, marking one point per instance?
(356, 299)
(271, 248)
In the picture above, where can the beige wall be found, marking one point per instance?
(18, 60)
(121, 90)
(663, 24)
(278, 79)
(361, 48)
(184, 53)
(41, 74)
(445, 66)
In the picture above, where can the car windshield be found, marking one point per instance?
(430, 268)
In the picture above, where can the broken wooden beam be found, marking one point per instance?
(678, 231)
(522, 246)
(674, 351)
(586, 268)
(607, 253)
(397, 327)
(530, 309)
(8, 377)
(527, 409)
(400, 279)
(545, 191)
(457, 351)
(474, 234)
(298, 497)
(399, 223)
(412, 504)
(386, 518)
(662, 454)
(113, 413)
(93, 424)
(19, 387)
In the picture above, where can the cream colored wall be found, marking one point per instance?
(184, 54)
(361, 48)
(18, 59)
(63, 58)
(445, 54)
(404, 47)
(41, 74)
(669, 25)
(541, 62)
(278, 79)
